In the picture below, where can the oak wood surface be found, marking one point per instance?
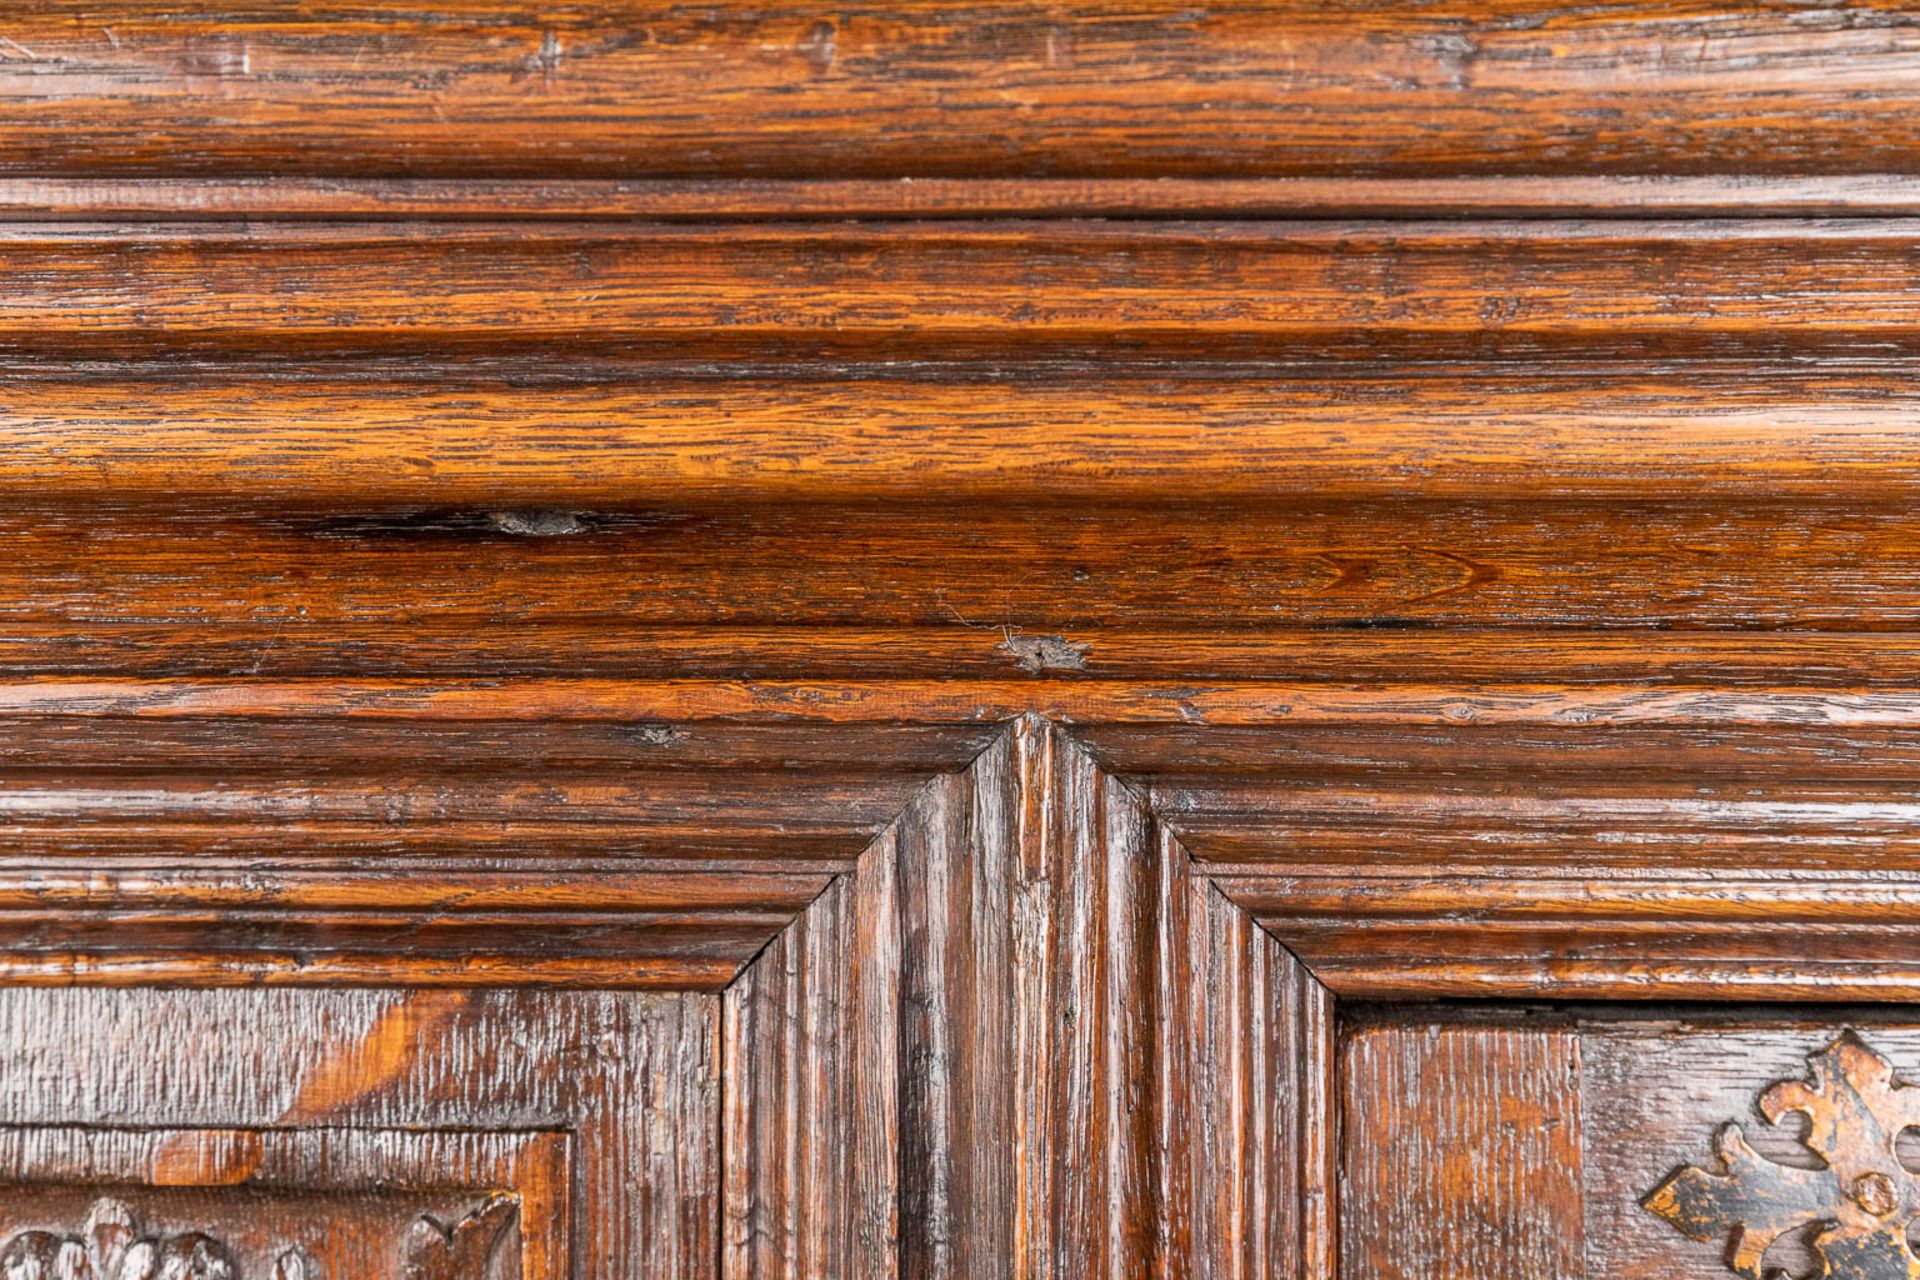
(993, 1011)
(639, 441)
(1654, 1091)
(216, 197)
(790, 642)
(1005, 290)
(1463, 1149)
(1483, 1139)
(457, 88)
(1381, 564)
(361, 1085)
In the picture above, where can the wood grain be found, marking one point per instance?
(649, 854)
(985, 1048)
(631, 1078)
(1655, 1091)
(334, 441)
(811, 1079)
(975, 704)
(219, 197)
(1380, 564)
(980, 1033)
(1722, 842)
(1007, 565)
(1684, 860)
(618, 90)
(993, 290)
(1486, 1139)
(1462, 1154)
(843, 657)
(348, 1202)
(1249, 1078)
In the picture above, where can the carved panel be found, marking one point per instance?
(112, 1246)
(333, 1121)
(460, 1250)
(542, 555)
(289, 1204)
(1854, 1208)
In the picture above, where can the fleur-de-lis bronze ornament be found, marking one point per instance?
(1862, 1200)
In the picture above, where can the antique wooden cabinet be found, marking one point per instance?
(1262, 640)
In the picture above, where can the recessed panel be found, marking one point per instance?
(356, 1134)
(1629, 1144)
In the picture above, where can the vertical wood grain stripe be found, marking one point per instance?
(1307, 1012)
(949, 1066)
(1248, 1125)
(810, 1119)
(957, 868)
(1461, 1154)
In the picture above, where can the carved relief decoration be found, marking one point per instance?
(111, 1247)
(1857, 1207)
(463, 1250)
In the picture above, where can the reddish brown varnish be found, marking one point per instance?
(1231, 642)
